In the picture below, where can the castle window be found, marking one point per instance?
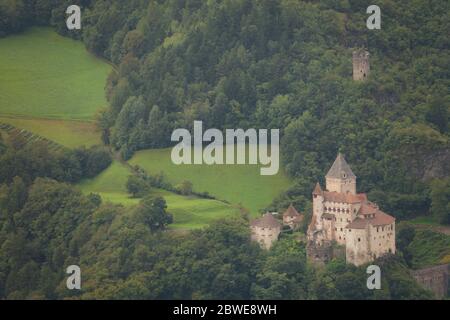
(342, 230)
(335, 229)
(359, 239)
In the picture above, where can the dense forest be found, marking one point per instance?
(233, 63)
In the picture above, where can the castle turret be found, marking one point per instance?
(292, 218)
(340, 178)
(361, 65)
(316, 222)
(265, 230)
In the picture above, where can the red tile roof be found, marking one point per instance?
(266, 221)
(317, 189)
(291, 212)
(373, 215)
(344, 197)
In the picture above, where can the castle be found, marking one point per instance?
(348, 218)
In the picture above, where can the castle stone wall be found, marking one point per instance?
(319, 254)
(357, 247)
(341, 185)
(265, 236)
(382, 240)
(434, 279)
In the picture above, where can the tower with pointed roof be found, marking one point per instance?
(292, 218)
(340, 178)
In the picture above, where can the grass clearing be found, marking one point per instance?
(188, 212)
(43, 74)
(237, 184)
(68, 133)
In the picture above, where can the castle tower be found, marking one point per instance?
(361, 65)
(265, 230)
(340, 178)
(316, 221)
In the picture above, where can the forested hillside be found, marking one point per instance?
(278, 64)
(233, 64)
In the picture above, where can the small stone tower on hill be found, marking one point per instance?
(361, 65)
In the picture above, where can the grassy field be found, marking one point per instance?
(48, 76)
(110, 184)
(68, 133)
(188, 212)
(237, 184)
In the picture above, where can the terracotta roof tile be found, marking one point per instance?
(266, 221)
(344, 197)
(358, 223)
(291, 212)
(317, 189)
(369, 213)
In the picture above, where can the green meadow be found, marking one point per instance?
(45, 75)
(238, 184)
(69, 133)
(188, 212)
